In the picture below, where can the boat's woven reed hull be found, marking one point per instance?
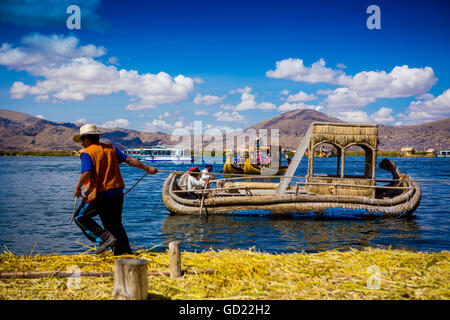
(308, 205)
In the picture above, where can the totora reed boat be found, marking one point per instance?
(330, 196)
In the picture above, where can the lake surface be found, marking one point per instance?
(36, 201)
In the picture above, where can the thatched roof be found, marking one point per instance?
(345, 134)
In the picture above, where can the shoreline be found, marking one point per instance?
(245, 275)
(76, 153)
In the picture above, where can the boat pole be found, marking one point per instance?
(286, 179)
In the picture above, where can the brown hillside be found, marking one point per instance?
(292, 126)
(19, 131)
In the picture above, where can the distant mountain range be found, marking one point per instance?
(19, 131)
(292, 126)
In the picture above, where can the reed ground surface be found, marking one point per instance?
(244, 274)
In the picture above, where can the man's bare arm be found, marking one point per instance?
(137, 164)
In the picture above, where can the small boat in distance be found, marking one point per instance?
(444, 154)
(229, 167)
(256, 162)
(158, 153)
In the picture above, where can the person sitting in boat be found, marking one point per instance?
(194, 182)
(288, 159)
(206, 173)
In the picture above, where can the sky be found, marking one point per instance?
(161, 65)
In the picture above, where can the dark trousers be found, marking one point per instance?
(109, 209)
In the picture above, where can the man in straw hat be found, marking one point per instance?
(103, 189)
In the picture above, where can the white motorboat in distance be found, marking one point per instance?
(158, 153)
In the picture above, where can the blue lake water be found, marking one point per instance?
(36, 204)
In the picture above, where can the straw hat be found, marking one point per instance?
(85, 130)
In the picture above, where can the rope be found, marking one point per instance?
(76, 198)
(135, 184)
(74, 210)
(250, 176)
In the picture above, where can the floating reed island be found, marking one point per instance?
(243, 274)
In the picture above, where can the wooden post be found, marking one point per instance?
(130, 279)
(338, 168)
(175, 259)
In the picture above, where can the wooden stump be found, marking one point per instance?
(130, 279)
(175, 259)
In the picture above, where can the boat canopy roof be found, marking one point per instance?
(345, 135)
(342, 136)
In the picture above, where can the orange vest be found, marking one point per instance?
(106, 172)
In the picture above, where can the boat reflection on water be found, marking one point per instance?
(284, 235)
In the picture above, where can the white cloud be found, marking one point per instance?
(40, 116)
(301, 96)
(324, 92)
(400, 82)
(82, 120)
(382, 116)
(164, 126)
(247, 89)
(295, 70)
(71, 73)
(198, 80)
(207, 99)
(425, 96)
(353, 116)
(287, 106)
(363, 88)
(284, 92)
(113, 60)
(429, 108)
(231, 117)
(248, 102)
(200, 112)
(163, 115)
(157, 125)
(346, 98)
(117, 123)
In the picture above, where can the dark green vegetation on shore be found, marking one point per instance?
(11, 153)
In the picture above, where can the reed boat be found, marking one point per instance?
(250, 168)
(229, 167)
(317, 195)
